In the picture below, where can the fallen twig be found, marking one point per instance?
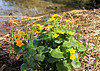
(3, 67)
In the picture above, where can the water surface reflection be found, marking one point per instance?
(34, 7)
(26, 7)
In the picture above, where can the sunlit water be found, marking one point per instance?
(32, 8)
(26, 7)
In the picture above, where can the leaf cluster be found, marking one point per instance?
(47, 53)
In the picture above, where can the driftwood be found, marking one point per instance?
(23, 18)
(14, 16)
(5, 36)
(18, 22)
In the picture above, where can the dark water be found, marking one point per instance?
(34, 7)
(26, 7)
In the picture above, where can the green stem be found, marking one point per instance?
(84, 53)
(27, 37)
(95, 45)
(12, 32)
(31, 36)
(9, 50)
(96, 59)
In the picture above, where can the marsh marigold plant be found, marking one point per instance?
(50, 50)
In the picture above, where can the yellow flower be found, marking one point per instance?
(40, 28)
(22, 33)
(35, 32)
(55, 35)
(17, 40)
(61, 32)
(72, 57)
(70, 32)
(66, 20)
(72, 22)
(38, 25)
(24, 70)
(52, 19)
(34, 25)
(50, 26)
(71, 50)
(16, 35)
(19, 43)
(48, 23)
(56, 15)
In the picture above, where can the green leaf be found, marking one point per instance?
(29, 60)
(25, 44)
(56, 53)
(32, 52)
(56, 28)
(59, 41)
(24, 41)
(36, 42)
(66, 54)
(76, 55)
(26, 67)
(75, 64)
(31, 69)
(68, 65)
(17, 49)
(77, 44)
(40, 49)
(74, 43)
(67, 44)
(30, 45)
(44, 36)
(46, 50)
(52, 60)
(81, 47)
(54, 44)
(39, 57)
(23, 67)
(61, 67)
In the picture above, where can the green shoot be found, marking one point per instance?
(27, 37)
(9, 50)
(84, 53)
(84, 42)
(23, 37)
(95, 45)
(26, 30)
(96, 59)
(31, 36)
(12, 32)
(77, 35)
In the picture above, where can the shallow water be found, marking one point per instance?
(34, 7)
(25, 7)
